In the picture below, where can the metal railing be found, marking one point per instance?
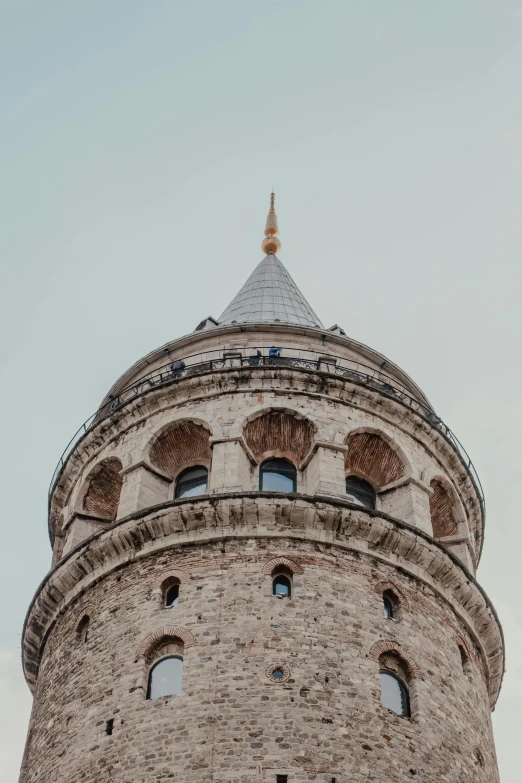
(231, 359)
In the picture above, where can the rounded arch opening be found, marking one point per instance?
(277, 475)
(442, 511)
(180, 445)
(282, 578)
(82, 630)
(165, 677)
(103, 490)
(281, 432)
(371, 457)
(360, 491)
(191, 482)
(394, 694)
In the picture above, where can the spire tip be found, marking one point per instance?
(271, 243)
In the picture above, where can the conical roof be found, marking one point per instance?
(270, 295)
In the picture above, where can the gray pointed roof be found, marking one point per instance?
(270, 295)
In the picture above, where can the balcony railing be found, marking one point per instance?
(257, 358)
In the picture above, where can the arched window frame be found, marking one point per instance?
(404, 693)
(82, 630)
(175, 656)
(282, 572)
(169, 585)
(367, 491)
(263, 470)
(182, 477)
(391, 600)
(464, 660)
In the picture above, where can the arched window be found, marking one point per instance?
(464, 659)
(394, 694)
(360, 491)
(172, 594)
(82, 631)
(192, 481)
(165, 677)
(277, 475)
(387, 607)
(282, 584)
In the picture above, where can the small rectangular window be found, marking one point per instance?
(281, 778)
(109, 727)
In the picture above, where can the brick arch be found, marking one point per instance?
(388, 645)
(370, 456)
(175, 573)
(442, 512)
(381, 587)
(294, 567)
(103, 489)
(180, 444)
(167, 632)
(279, 431)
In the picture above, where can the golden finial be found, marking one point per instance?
(271, 244)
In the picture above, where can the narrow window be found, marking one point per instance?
(277, 475)
(466, 666)
(165, 677)
(394, 694)
(109, 726)
(282, 583)
(388, 607)
(82, 632)
(360, 491)
(172, 596)
(281, 778)
(391, 605)
(191, 482)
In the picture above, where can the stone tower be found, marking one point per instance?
(264, 548)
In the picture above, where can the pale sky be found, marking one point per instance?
(139, 142)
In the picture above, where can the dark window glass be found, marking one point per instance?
(165, 678)
(362, 492)
(192, 481)
(172, 596)
(282, 585)
(388, 608)
(82, 632)
(394, 694)
(278, 674)
(277, 475)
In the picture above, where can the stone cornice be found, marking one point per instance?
(266, 515)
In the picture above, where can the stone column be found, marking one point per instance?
(143, 486)
(231, 465)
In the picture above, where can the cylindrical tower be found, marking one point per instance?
(264, 548)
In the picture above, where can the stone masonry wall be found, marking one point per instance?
(231, 723)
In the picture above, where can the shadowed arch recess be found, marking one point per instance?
(441, 510)
(103, 493)
(370, 456)
(182, 444)
(279, 432)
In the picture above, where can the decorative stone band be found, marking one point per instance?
(294, 567)
(388, 645)
(166, 632)
(277, 516)
(381, 588)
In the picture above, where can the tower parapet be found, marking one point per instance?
(264, 535)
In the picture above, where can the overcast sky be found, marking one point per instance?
(139, 142)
